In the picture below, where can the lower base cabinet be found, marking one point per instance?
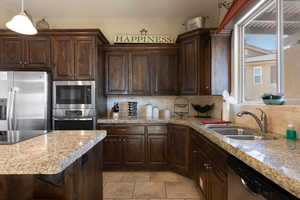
(135, 147)
(209, 168)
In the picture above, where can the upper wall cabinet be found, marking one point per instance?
(70, 54)
(204, 62)
(141, 71)
(29, 52)
(74, 57)
(116, 69)
(164, 67)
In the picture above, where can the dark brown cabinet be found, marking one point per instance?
(37, 52)
(130, 147)
(209, 167)
(189, 70)
(29, 52)
(179, 139)
(112, 148)
(141, 71)
(74, 58)
(84, 58)
(117, 72)
(204, 62)
(134, 151)
(11, 51)
(63, 58)
(139, 74)
(157, 147)
(164, 67)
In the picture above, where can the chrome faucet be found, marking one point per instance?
(262, 121)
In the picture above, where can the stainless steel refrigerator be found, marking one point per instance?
(24, 100)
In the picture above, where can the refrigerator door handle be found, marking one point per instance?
(13, 112)
(8, 110)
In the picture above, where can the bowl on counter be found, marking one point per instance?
(270, 99)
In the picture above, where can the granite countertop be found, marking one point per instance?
(47, 154)
(277, 159)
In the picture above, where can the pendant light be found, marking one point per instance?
(21, 23)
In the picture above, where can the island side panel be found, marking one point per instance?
(83, 180)
(16, 187)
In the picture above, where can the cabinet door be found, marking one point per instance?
(37, 52)
(11, 52)
(189, 67)
(139, 74)
(112, 151)
(84, 58)
(179, 151)
(157, 151)
(116, 73)
(165, 73)
(134, 151)
(201, 167)
(205, 70)
(63, 56)
(218, 186)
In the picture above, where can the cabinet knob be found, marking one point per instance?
(207, 87)
(207, 166)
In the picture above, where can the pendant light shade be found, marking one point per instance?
(22, 24)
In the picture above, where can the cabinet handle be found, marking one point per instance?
(207, 166)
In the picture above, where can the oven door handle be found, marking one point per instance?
(73, 119)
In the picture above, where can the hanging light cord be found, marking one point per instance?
(22, 5)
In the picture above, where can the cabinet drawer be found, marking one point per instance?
(157, 130)
(122, 129)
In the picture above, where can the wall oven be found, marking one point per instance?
(74, 119)
(74, 94)
(74, 105)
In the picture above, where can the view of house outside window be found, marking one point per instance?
(260, 61)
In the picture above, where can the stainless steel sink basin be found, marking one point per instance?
(251, 137)
(240, 133)
(234, 131)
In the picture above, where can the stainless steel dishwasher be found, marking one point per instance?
(244, 183)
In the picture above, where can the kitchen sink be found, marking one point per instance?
(240, 133)
(234, 131)
(251, 137)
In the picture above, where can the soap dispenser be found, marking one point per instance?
(291, 133)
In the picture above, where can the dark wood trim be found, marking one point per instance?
(235, 8)
(63, 32)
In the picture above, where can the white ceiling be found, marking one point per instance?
(115, 8)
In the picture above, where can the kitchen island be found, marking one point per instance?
(62, 165)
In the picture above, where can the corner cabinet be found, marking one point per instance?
(204, 62)
(179, 141)
(141, 71)
(74, 57)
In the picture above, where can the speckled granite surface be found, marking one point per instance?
(47, 154)
(278, 160)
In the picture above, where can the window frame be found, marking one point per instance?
(239, 50)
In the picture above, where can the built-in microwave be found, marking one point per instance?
(74, 94)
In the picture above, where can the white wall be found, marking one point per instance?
(112, 26)
(5, 15)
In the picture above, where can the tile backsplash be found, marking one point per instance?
(164, 102)
(278, 117)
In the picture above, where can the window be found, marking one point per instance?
(257, 74)
(267, 45)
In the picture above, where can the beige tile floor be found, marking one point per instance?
(148, 186)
